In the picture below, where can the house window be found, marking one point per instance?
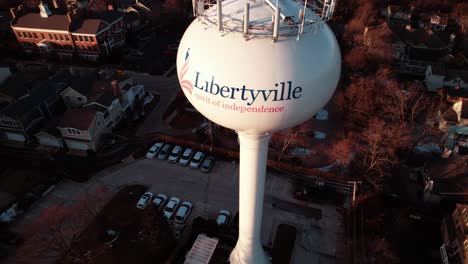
(81, 38)
(35, 35)
(80, 99)
(29, 35)
(60, 37)
(56, 37)
(66, 37)
(86, 38)
(42, 36)
(50, 36)
(67, 97)
(457, 81)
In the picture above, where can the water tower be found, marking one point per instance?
(256, 67)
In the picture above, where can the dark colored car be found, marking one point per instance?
(164, 152)
(208, 164)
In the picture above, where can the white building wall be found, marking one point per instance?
(433, 82)
(46, 139)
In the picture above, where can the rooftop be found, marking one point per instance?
(80, 118)
(34, 20)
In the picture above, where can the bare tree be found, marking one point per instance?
(377, 149)
(284, 140)
(157, 233)
(55, 235)
(382, 251)
(342, 152)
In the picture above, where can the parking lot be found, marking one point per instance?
(318, 231)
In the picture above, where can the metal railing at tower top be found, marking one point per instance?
(294, 21)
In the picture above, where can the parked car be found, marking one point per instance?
(175, 154)
(186, 156)
(144, 200)
(153, 151)
(171, 207)
(164, 152)
(9, 237)
(223, 217)
(183, 213)
(160, 200)
(208, 164)
(197, 159)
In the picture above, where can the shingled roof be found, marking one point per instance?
(80, 118)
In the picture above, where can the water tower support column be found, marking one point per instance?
(253, 161)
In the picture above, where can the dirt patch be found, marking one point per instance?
(119, 214)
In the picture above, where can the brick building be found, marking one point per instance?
(66, 34)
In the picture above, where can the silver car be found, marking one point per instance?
(164, 152)
(183, 213)
(175, 154)
(160, 200)
(186, 156)
(171, 207)
(144, 200)
(153, 151)
(197, 160)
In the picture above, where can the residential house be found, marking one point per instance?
(25, 116)
(461, 109)
(396, 12)
(457, 139)
(437, 77)
(436, 21)
(65, 34)
(447, 118)
(454, 230)
(83, 129)
(20, 84)
(421, 44)
(90, 91)
(410, 184)
(50, 135)
(130, 91)
(76, 94)
(105, 98)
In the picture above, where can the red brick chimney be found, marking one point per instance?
(71, 15)
(56, 4)
(116, 88)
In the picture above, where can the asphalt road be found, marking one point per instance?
(319, 226)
